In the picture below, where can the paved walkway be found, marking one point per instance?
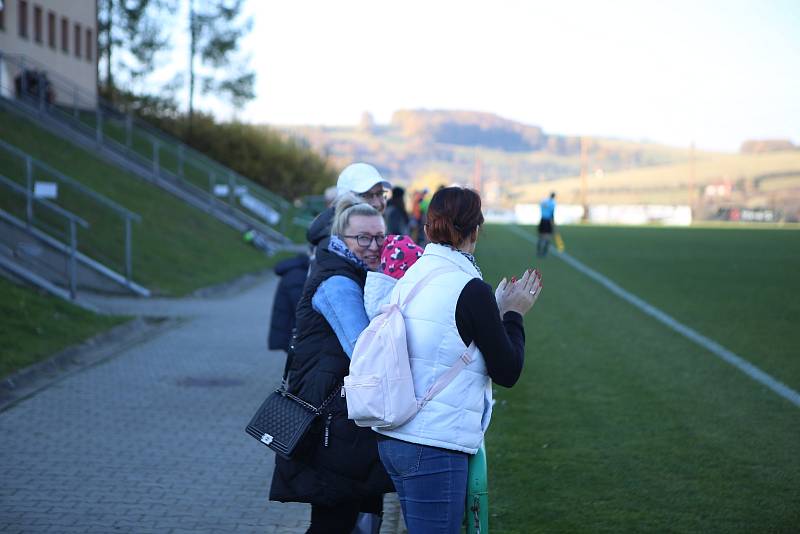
(152, 438)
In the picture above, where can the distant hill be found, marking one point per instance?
(766, 145)
(512, 163)
(426, 146)
(469, 128)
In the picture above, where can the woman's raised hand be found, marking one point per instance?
(519, 295)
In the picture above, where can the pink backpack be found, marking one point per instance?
(380, 389)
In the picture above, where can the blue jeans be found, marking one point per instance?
(431, 484)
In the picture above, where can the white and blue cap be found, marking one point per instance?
(360, 178)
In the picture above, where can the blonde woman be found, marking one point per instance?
(338, 470)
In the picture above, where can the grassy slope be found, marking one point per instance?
(176, 248)
(35, 326)
(620, 425)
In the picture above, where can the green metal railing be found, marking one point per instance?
(73, 221)
(110, 216)
(477, 508)
(161, 153)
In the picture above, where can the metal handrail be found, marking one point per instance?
(219, 167)
(158, 136)
(192, 191)
(477, 505)
(126, 214)
(14, 186)
(73, 234)
(99, 197)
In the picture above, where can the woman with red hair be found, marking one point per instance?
(457, 313)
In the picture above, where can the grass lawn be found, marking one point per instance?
(619, 424)
(733, 285)
(35, 326)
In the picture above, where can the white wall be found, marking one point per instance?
(609, 214)
(58, 64)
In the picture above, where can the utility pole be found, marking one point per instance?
(691, 176)
(476, 177)
(584, 159)
(193, 29)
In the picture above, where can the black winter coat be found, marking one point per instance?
(338, 461)
(293, 274)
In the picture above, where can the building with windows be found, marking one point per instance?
(56, 37)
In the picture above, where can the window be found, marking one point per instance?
(65, 34)
(51, 29)
(77, 40)
(89, 44)
(22, 18)
(37, 24)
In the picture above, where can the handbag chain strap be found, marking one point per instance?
(309, 406)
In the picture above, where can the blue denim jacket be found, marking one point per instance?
(341, 301)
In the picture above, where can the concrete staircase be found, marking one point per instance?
(244, 206)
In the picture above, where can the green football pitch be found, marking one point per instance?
(621, 424)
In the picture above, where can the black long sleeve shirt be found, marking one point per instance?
(501, 341)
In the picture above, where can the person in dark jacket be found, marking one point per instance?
(293, 275)
(337, 469)
(396, 215)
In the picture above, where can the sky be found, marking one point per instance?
(710, 72)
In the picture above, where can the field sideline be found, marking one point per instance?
(712, 346)
(620, 424)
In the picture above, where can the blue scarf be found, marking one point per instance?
(338, 247)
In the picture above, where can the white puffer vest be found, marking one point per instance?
(459, 415)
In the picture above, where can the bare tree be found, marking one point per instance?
(131, 33)
(215, 31)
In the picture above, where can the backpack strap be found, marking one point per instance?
(464, 360)
(442, 382)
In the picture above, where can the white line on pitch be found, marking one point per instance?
(718, 350)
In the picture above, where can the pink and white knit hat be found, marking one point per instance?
(398, 254)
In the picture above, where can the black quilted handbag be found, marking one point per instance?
(283, 419)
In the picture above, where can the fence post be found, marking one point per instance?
(75, 103)
(40, 89)
(180, 160)
(73, 245)
(477, 505)
(2, 64)
(155, 156)
(284, 216)
(99, 115)
(128, 250)
(128, 130)
(231, 192)
(29, 189)
(23, 78)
